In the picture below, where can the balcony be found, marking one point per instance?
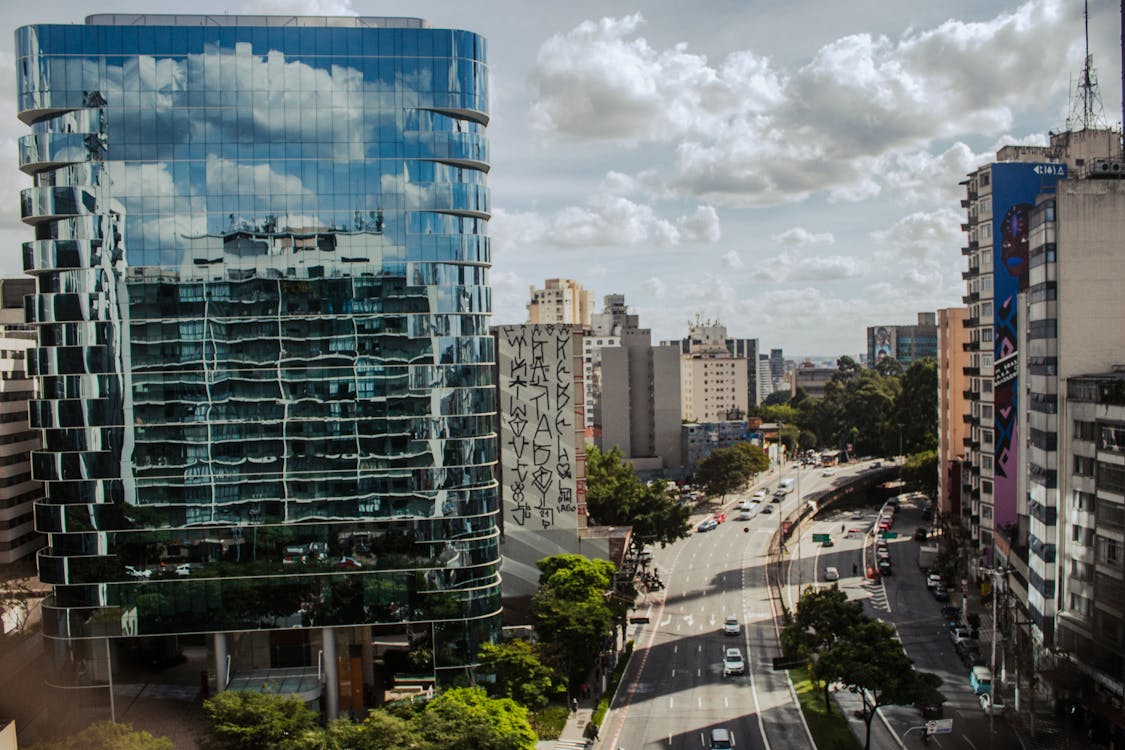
(964, 203)
(967, 418)
(972, 193)
(971, 297)
(969, 395)
(972, 273)
(971, 322)
(970, 371)
(969, 346)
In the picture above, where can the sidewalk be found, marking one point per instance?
(574, 733)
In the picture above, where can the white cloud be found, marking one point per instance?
(605, 221)
(749, 135)
(654, 286)
(801, 237)
(509, 297)
(602, 81)
(923, 235)
(792, 267)
(702, 225)
(731, 259)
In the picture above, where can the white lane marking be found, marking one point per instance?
(699, 648)
(699, 702)
(726, 702)
(671, 702)
(699, 672)
(673, 671)
(675, 648)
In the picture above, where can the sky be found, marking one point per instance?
(788, 168)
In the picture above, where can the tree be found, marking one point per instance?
(105, 735)
(520, 674)
(777, 398)
(823, 617)
(920, 473)
(757, 457)
(467, 717)
(257, 721)
(616, 497)
(870, 660)
(725, 470)
(916, 408)
(575, 609)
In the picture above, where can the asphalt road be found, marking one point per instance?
(903, 600)
(674, 692)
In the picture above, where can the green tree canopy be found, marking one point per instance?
(520, 673)
(467, 717)
(256, 721)
(105, 735)
(871, 660)
(575, 609)
(823, 617)
(616, 497)
(916, 408)
(920, 473)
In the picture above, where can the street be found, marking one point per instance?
(675, 692)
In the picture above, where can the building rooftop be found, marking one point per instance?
(176, 19)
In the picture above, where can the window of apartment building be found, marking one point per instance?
(986, 360)
(986, 309)
(1108, 550)
(1084, 501)
(986, 513)
(986, 463)
(1085, 430)
(986, 385)
(1083, 466)
(986, 486)
(986, 437)
(1076, 534)
(1047, 328)
(1111, 437)
(985, 206)
(986, 232)
(986, 411)
(985, 179)
(1110, 516)
(1109, 627)
(986, 335)
(1110, 477)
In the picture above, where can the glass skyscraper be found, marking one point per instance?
(265, 368)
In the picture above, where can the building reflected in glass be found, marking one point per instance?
(266, 374)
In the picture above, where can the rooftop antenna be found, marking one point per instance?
(1086, 108)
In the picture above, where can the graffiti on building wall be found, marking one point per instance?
(537, 426)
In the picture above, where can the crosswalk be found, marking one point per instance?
(571, 744)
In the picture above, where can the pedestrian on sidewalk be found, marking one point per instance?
(574, 705)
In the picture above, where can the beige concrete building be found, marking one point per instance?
(718, 375)
(560, 301)
(952, 359)
(810, 379)
(18, 493)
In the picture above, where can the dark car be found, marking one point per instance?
(885, 567)
(940, 593)
(921, 533)
(930, 710)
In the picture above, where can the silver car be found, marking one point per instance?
(732, 663)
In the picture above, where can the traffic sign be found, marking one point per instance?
(890, 535)
(821, 537)
(939, 726)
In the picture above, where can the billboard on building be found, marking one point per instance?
(1015, 186)
(880, 344)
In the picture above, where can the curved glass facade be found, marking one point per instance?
(262, 303)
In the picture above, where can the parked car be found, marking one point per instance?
(991, 705)
(951, 613)
(921, 533)
(137, 572)
(731, 626)
(732, 662)
(940, 593)
(959, 633)
(184, 569)
(933, 579)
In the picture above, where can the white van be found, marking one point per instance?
(786, 485)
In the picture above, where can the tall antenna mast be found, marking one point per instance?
(1088, 96)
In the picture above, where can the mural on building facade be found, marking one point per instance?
(1015, 187)
(543, 488)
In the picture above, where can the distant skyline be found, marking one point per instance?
(790, 169)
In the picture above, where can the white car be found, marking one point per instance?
(759, 495)
(732, 662)
(745, 515)
(746, 505)
(990, 705)
(137, 572)
(831, 574)
(828, 472)
(731, 626)
(183, 569)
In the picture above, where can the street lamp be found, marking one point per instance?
(995, 574)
